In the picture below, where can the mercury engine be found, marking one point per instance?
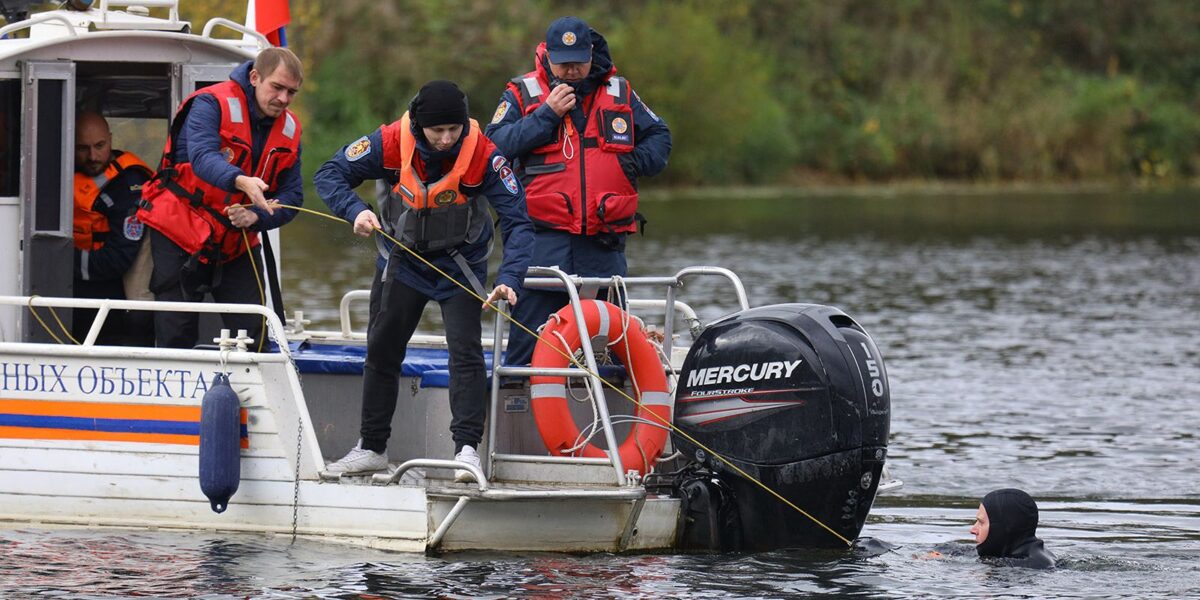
(797, 398)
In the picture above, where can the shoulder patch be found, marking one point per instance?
(498, 162)
(645, 106)
(133, 229)
(500, 112)
(510, 182)
(360, 148)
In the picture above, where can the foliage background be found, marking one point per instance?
(802, 91)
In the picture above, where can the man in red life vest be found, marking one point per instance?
(443, 174)
(231, 144)
(108, 185)
(580, 139)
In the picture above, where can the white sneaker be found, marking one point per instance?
(469, 456)
(359, 460)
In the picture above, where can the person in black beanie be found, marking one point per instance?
(443, 174)
(1005, 527)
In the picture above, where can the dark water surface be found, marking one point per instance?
(1041, 341)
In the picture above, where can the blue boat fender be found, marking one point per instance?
(220, 443)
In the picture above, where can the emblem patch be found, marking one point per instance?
(510, 182)
(227, 152)
(619, 125)
(500, 112)
(445, 198)
(133, 229)
(360, 148)
(498, 162)
(568, 38)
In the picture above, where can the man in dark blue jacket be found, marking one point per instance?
(580, 138)
(209, 172)
(443, 174)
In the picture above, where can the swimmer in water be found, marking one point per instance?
(1004, 530)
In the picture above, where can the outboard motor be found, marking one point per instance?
(796, 396)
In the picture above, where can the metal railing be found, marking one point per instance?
(262, 40)
(30, 22)
(105, 306)
(554, 279)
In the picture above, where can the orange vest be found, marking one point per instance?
(91, 225)
(438, 216)
(190, 211)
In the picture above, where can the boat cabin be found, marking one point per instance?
(115, 59)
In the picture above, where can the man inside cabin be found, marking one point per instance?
(579, 138)
(232, 158)
(443, 174)
(108, 185)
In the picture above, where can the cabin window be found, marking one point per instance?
(10, 137)
(48, 181)
(135, 98)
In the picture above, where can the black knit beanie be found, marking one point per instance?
(439, 103)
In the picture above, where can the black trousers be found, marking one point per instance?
(122, 327)
(236, 283)
(395, 310)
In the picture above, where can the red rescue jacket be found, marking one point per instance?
(576, 183)
(191, 212)
(91, 225)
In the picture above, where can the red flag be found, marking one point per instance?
(270, 15)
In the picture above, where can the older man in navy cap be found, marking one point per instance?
(579, 138)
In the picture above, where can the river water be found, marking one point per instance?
(1041, 341)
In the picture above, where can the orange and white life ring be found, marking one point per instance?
(549, 394)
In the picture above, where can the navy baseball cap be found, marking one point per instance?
(569, 40)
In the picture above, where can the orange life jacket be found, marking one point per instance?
(440, 215)
(576, 183)
(91, 222)
(190, 211)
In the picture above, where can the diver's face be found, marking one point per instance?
(981, 526)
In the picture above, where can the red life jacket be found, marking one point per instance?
(443, 214)
(91, 225)
(191, 212)
(576, 183)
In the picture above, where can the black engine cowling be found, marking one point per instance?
(796, 396)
